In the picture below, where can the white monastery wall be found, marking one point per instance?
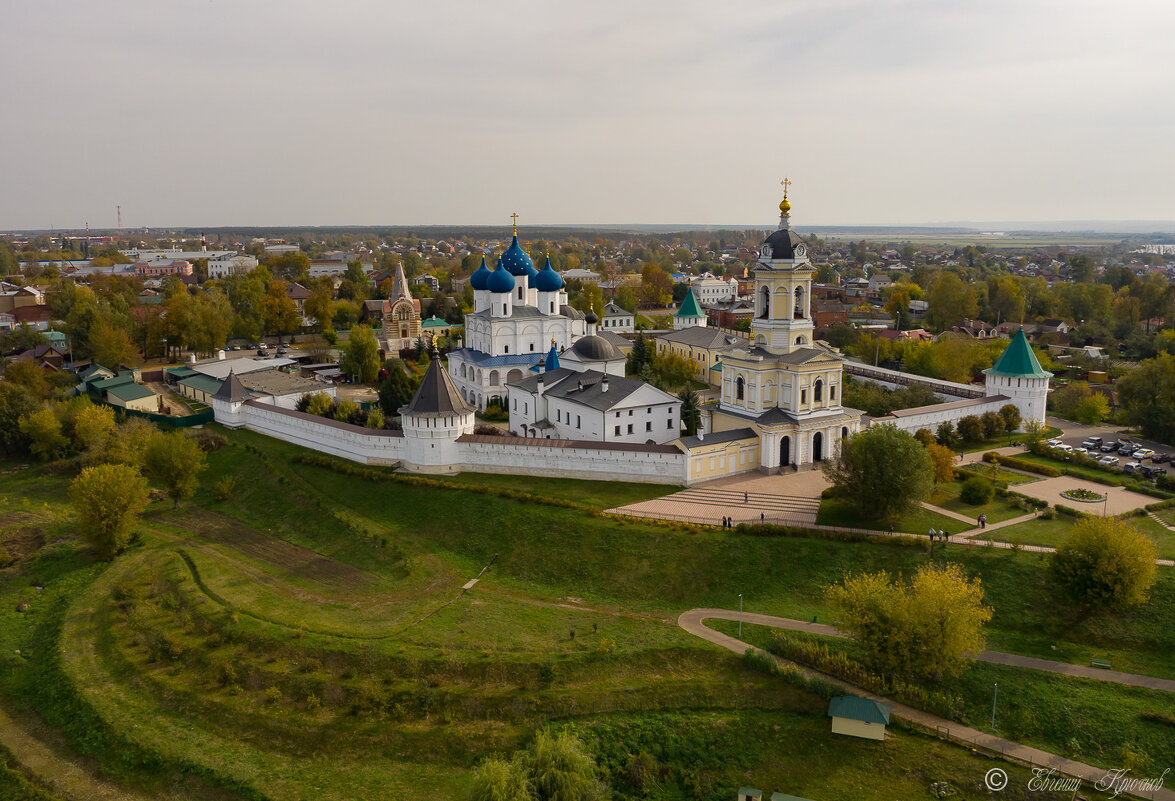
(585, 462)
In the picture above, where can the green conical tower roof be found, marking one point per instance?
(690, 306)
(1018, 360)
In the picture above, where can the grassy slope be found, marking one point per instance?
(546, 556)
(837, 512)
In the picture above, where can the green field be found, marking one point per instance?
(309, 637)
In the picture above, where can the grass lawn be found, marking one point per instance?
(1002, 441)
(837, 512)
(1164, 537)
(946, 496)
(1093, 721)
(1036, 532)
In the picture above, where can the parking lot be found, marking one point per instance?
(1075, 434)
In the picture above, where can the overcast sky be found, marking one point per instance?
(235, 112)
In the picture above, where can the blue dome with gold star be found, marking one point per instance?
(480, 276)
(517, 262)
(500, 280)
(548, 280)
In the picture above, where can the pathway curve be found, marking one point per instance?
(946, 512)
(693, 622)
(62, 775)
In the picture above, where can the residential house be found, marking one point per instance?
(428, 279)
(702, 345)
(235, 264)
(617, 319)
(730, 312)
(976, 328)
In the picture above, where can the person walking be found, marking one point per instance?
(746, 497)
(983, 521)
(762, 517)
(946, 535)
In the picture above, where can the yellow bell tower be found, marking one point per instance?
(783, 289)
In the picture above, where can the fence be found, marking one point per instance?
(186, 421)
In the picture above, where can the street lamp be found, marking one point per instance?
(740, 615)
(995, 691)
(164, 357)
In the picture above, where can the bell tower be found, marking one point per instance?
(783, 289)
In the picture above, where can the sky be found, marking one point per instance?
(238, 112)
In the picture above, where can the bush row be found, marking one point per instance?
(772, 530)
(964, 473)
(1020, 464)
(835, 663)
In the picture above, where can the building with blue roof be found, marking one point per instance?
(518, 312)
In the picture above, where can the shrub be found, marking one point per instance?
(1105, 562)
(977, 491)
(223, 489)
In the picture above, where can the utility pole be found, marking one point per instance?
(995, 692)
(740, 615)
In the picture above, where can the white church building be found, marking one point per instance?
(518, 312)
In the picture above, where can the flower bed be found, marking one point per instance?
(1083, 495)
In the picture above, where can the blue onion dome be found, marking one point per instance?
(480, 276)
(517, 262)
(548, 280)
(500, 279)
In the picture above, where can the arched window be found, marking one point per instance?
(765, 299)
(818, 391)
(801, 341)
(799, 313)
(738, 388)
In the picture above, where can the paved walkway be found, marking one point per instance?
(1160, 521)
(707, 504)
(693, 622)
(947, 512)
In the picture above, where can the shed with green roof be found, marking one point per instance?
(858, 717)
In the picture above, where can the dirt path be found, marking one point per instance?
(65, 775)
(693, 621)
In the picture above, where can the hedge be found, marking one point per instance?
(772, 530)
(964, 473)
(1021, 464)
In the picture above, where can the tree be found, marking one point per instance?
(1147, 397)
(42, 429)
(672, 370)
(1034, 432)
(691, 417)
(498, 779)
(1011, 415)
(28, 374)
(109, 499)
(993, 424)
(128, 442)
(656, 286)
(1104, 562)
(883, 471)
(626, 298)
(397, 390)
(949, 301)
(925, 436)
(91, 427)
(361, 355)
(970, 428)
(175, 461)
(946, 434)
(281, 314)
(944, 462)
(977, 491)
(15, 402)
(319, 405)
(321, 306)
(561, 769)
(111, 346)
(641, 355)
(930, 625)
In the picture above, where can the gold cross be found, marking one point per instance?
(514, 216)
(785, 183)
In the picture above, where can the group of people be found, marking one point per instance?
(728, 522)
(939, 535)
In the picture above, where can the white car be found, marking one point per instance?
(1052, 443)
(1082, 451)
(1065, 448)
(1108, 461)
(1143, 453)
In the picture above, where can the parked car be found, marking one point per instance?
(282, 351)
(1109, 447)
(1161, 458)
(1052, 443)
(1093, 442)
(1063, 448)
(1108, 461)
(1132, 467)
(1143, 453)
(1126, 450)
(1081, 451)
(262, 352)
(1153, 472)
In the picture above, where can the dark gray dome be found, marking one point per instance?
(595, 349)
(590, 318)
(783, 243)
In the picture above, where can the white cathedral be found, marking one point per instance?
(518, 313)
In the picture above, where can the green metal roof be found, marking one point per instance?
(747, 792)
(786, 797)
(180, 372)
(717, 366)
(102, 384)
(435, 322)
(129, 392)
(202, 383)
(53, 336)
(690, 306)
(1018, 360)
(862, 709)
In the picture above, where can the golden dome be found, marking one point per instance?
(784, 205)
